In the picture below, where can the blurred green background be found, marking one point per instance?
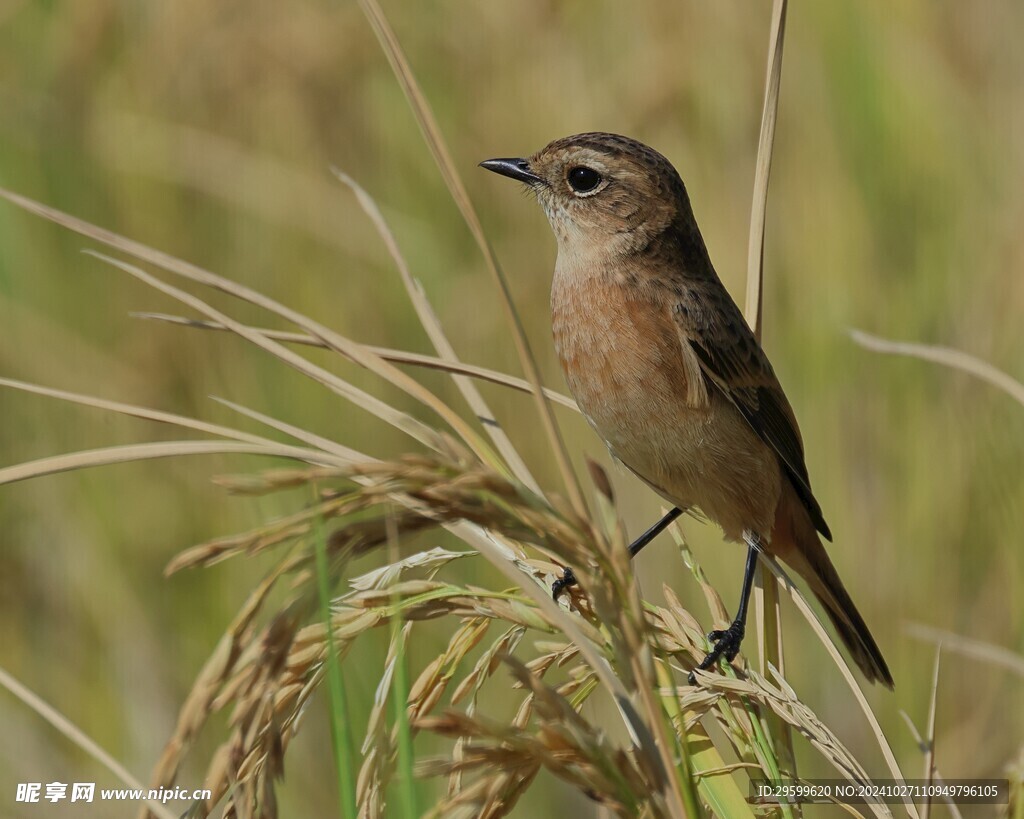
(207, 130)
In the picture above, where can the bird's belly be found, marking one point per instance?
(629, 382)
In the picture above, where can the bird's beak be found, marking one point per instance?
(513, 169)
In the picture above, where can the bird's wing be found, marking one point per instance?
(712, 327)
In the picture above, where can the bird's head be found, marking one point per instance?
(602, 189)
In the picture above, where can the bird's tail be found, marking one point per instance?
(795, 541)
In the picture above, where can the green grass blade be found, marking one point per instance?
(341, 732)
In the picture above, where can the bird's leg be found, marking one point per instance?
(653, 532)
(569, 579)
(727, 641)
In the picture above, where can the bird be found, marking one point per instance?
(665, 368)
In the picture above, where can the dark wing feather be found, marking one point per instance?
(734, 363)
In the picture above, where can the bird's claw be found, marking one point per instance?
(567, 580)
(725, 643)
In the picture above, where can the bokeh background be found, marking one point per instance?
(208, 129)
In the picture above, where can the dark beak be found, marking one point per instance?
(513, 169)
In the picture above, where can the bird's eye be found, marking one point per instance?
(583, 179)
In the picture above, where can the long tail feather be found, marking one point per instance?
(795, 541)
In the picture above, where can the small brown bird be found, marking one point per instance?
(666, 370)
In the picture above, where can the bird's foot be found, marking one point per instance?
(726, 644)
(567, 580)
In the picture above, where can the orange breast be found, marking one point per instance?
(625, 364)
(621, 356)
